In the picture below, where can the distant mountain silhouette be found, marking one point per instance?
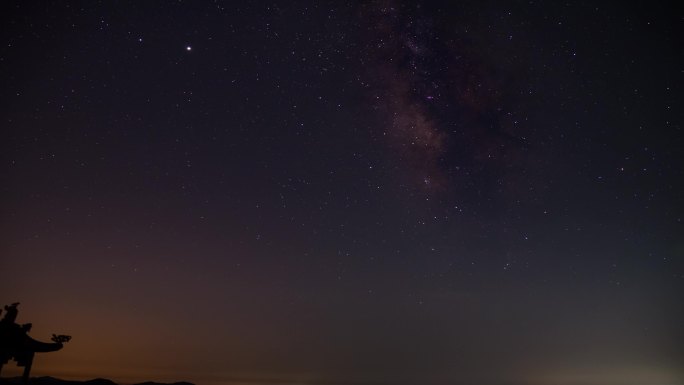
(172, 383)
(57, 381)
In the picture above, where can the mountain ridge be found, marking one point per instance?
(95, 381)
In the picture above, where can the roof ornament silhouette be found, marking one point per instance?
(15, 343)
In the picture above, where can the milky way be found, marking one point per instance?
(443, 113)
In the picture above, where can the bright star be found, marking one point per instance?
(188, 48)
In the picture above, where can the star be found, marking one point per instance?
(188, 48)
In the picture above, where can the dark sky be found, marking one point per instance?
(349, 193)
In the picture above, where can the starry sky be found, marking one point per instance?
(377, 192)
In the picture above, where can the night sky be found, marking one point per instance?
(346, 193)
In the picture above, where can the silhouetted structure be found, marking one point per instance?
(16, 344)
